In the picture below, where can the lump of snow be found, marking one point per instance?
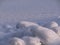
(57, 30)
(57, 19)
(54, 26)
(46, 35)
(26, 26)
(51, 24)
(32, 40)
(16, 41)
(23, 24)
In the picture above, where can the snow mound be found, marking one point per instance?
(51, 24)
(46, 35)
(24, 24)
(16, 41)
(54, 26)
(32, 40)
(57, 30)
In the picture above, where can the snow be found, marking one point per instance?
(30, 33)
(57, 30)
(26, 24)
(54, 26)
(36, 22)
(26, 32)
(46, 35)
(16, 41)
(31, 40)
(51, 24)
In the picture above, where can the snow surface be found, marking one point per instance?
(46, 35)
(29, 33)
(37, 21)
(31, 40)
(16, 41)
(54, 26)
(51, 24)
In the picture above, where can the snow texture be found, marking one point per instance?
(32, 40)
(16, 41)
(30, 33)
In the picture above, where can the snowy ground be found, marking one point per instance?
(29, 22)
(30, 33)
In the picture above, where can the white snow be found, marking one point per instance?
(57, 30)
(26, 24)
(32, 40)
(51, 24)
(28, 13)
(46, 35)
(54, 26)
(30, 33)
(16, 41)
